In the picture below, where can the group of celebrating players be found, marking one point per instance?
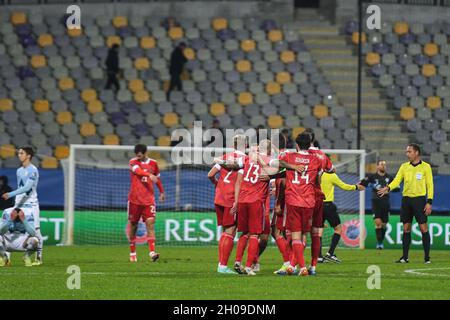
(302, 183)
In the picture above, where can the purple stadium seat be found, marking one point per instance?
(129, 107)
(408, 38)
(141, 130)
(268, 25)
(381, 48)
(226, 34)
(28, 40)
(378, 70)
(25, 72)
(421, 59)
(124, 32)
(118, 118)
(23, 29)
(350, 27)
(293, 67)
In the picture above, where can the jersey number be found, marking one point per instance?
(226, 180)
(304, 176)
(255, 175)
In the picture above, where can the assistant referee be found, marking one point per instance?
(417, 198)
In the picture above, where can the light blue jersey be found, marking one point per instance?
(17, 226)
(26, 192)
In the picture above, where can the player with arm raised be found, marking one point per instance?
(330, 214)
(141, 199)
(300, 197)
(26, 193)
(223, 201)
(17, 233)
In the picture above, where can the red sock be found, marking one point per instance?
(253, 247)
(282, 246)
(298, 247)
(220, 246)
(242, 243)
(315, 249)
(227, 247)
(132, 245)
(151, 244)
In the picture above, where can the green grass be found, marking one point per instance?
(189, 273)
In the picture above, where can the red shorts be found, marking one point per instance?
(317, 218)
(251, 217)
(299, 219)
(224, 217)
(137, 211)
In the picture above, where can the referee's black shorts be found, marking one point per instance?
(381, 209)
(413, 207)
(330, 214)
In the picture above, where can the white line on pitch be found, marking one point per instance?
(416, 272)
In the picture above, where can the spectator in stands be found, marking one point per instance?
(177, 61)
(112, 68)
(5, 188)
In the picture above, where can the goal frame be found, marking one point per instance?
(70, 183)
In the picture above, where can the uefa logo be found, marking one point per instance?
(141, 233)
(350, 233)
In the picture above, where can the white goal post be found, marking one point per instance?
(87, 160)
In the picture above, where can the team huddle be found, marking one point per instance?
(242, 202)
(302, 183)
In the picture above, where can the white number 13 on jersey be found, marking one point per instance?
(304, 176)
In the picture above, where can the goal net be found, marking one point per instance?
(97, 181)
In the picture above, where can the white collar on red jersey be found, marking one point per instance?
(313, 148)
(303, 152)
(239, 152)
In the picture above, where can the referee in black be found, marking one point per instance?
(418, 191)
(381, 206)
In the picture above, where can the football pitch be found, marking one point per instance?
(190, 273)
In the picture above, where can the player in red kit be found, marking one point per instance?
(141, 200)
(317, 223)
(279, 231)
(223, 201)
(300, 197)
(250, 200)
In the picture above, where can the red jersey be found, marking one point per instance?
(326, 164)
(253, 189)
(227, 181)
(300, 191)
(141, 187)
(280, 183)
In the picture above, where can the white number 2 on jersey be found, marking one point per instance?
(304, 176)
(226, 180)
(255, 175)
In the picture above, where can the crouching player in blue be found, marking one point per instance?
(17, 233)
